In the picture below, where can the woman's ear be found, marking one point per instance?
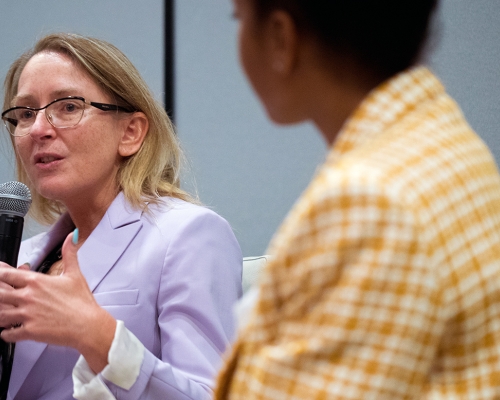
(134, 132)
(283, 41)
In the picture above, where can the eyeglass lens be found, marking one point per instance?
(63, 113)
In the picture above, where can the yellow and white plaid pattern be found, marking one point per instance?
(386, 277)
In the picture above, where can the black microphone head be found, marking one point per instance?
(15, 198)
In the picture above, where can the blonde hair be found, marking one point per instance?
(143, 177)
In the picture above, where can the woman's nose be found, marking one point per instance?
(41, 127)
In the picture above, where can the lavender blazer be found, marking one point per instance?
(172, 277)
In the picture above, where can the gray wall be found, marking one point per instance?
(243, 166)
(467, 59)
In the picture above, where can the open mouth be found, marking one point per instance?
(46, 159)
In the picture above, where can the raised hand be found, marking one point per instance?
(57, 309)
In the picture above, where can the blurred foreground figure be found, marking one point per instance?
(386, 276)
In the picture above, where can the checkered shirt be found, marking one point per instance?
(386, 278)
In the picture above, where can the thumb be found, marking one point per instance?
(69, 249)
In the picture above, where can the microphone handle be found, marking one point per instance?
(11, 232)
(7, 354)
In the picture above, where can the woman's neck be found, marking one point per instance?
(86, 214)
(334, 89)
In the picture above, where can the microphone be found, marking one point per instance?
(15, 201)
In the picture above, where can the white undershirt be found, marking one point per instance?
(124, 365)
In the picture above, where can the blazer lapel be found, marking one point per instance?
(40, 246)
(31, 352)
(108, 241)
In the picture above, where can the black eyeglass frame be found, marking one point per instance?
(100, 106)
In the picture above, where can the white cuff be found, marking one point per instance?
(124, 365)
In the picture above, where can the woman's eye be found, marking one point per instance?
(69, 107)
(26, 114)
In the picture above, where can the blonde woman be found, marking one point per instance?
(140, 297)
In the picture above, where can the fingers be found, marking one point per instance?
(15, 277)
(51, 309)
(14, 334)
(10, 318)
(24, 266)
(9, 299)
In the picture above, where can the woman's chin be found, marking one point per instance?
(51, 192)
(285, 117)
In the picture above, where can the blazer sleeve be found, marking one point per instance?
(200, 282)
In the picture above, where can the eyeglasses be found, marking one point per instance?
(61, 113)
